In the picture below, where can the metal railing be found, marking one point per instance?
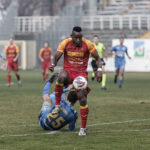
(33, 24)
(39, 24)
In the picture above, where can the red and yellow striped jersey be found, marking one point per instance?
(45, 53)
(76, 58)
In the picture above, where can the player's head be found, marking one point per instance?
(77, 36)
(121, 41)
(46, 44)
(72, 97)
(96, 39)
(11, 40)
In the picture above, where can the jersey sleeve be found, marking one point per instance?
(113, 49)
(40, 53)
(62, 45)
(91, 46)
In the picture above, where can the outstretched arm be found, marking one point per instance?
(47, 86)
(128, 55)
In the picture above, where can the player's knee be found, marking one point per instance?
(83, 102)
(63, 77)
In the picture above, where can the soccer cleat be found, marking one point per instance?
(120, 86)
(8, 85)
(82, 132)
(56, 110)
(19, 83)
(53, 77)
(103, 88)
(92, 78)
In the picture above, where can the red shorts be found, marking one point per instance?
(45, 66)
(73, 75)
(12, 66)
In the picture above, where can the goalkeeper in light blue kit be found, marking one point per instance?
(119, 52)
(67, 115)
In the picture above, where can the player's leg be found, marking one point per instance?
(9, 77)
(82, 96)
(103, 76)
(9, 68)
(63, 80)
(15, 69)
(43, 70)
(121, 72)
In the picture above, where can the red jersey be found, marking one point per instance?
(76, 58)
(45, 54)
(11, 52)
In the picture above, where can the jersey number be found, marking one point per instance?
(57, 122)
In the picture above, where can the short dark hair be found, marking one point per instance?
(77, 29)
(72, 97)
(96, 36)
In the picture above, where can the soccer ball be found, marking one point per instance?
(80, 83)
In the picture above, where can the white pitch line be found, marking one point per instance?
(28, 134)
(54, 132)
(92, 125)
(117, 122)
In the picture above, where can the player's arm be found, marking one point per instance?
(55, 60)
(6, 53)
(17, 51)
(40, 55)
(128, 54)
(58, 54)
(72, 124)
(47, 86)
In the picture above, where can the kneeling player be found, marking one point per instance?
(67, 115)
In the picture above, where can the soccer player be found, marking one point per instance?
(12, 54)
(45, 57)
(76, 50)
(119, 52)
(67, 115)
(101, 51)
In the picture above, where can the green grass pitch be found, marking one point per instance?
(117, 119)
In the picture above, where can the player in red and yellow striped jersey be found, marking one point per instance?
(76, 52)
(12, 54)
(45, 57)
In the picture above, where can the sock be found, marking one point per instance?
(115, 79)
(58, 92)
(104, 80)
(9, 78)
(46, 76)
(121, 81)
(18, 76)
(93, 75)
(84, 114)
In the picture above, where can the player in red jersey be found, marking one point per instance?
(12, 54)
(76, 52)
(45, 57)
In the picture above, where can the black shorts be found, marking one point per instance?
(94, 65)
